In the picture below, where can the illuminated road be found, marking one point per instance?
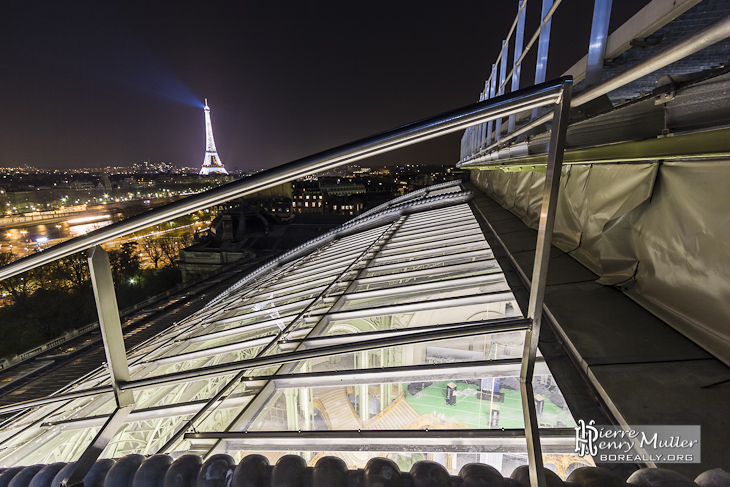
(22, 240)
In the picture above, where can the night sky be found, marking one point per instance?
(91, 84)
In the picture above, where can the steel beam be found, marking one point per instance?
(597, 44)
(339, 343)
(558, 440)
(371, 335)
(116, 356)
(109, 323)
(83, 465)
(543, 45)
(407, 373)
(496, 326)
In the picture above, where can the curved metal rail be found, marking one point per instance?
(452, 121)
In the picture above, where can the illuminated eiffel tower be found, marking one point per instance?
(212, 162)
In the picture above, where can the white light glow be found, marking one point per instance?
(87, 219)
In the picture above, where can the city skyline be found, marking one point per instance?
(102, 85)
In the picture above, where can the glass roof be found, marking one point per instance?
(346, 325)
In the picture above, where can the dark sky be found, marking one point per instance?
(117, 82)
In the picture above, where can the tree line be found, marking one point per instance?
(43, 303)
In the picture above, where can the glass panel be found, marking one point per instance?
(198, 363)
(441, 248)
(420, 276)
(56, 446)
(435, 243)
(143, 437)
(242, 337)
(251, 317)
(433, 263)
(450, 227)
(220, 417)
(477, 285)
(180, 393)
(490, 403)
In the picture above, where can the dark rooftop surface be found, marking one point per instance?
(644, 371)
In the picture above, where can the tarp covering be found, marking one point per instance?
(659, 231)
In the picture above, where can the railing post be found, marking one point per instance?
(109, 323)
(492, 84)
(116, 359)
(502, 77)
(597, 45)
(516, 66)
(539, 279)
(487, 84)
(543, 45)
(481, 128)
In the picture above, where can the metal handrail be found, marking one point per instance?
(532, 41)
(691, 44)
(452, 121)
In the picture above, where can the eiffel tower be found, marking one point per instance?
(212, 162)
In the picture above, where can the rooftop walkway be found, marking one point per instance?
(641, 369)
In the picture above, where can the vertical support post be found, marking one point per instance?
(492, 84)
(304, 397)
(109, 323)
(481, 127)
(543, 45)
(292, 415)
(517, 68)
(597, 45)
(364, 391)
(116, 358)
(473, 140)
(384, 388)
(502, 76)
(539, 279)
(487, 96)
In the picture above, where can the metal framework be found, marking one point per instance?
(408, 294)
